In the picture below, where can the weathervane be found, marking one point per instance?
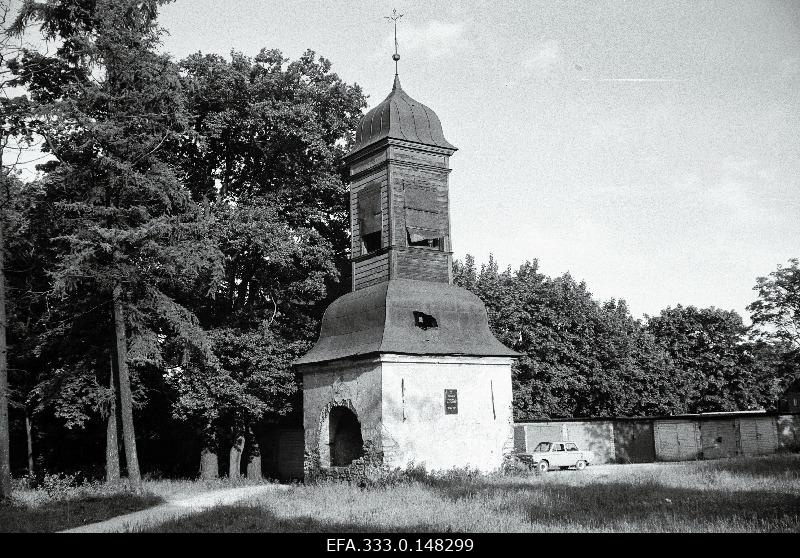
(395, 17)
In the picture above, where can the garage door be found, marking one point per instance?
(676, 440)
(634, 441)
(758, 435)
(718, 438)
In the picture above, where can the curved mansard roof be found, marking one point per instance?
(381, 319)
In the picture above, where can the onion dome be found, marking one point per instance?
(400, 117)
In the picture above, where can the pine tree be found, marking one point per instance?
(129, 234)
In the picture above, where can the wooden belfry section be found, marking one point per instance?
(399, 170)
(406, 355)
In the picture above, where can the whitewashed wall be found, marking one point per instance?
(415, 426)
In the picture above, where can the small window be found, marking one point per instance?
(371, 242)
(558, 447)
(424, 321)
(543, 446)
(415, 239)
(571, 447)
(424, 222)
(370, 219)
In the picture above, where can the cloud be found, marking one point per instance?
(789, 67)
(738, 166)
(634, 80)
(734, 187)
(435, 38)
(542, 57)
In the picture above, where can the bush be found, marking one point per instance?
(65, 486)
(384, 476)
(513, 466)
(59, 486)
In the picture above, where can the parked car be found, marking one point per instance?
(554, 455)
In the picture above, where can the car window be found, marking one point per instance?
(571, 447)
(558, 447)
(543, 446)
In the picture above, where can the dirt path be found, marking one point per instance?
(174, 509)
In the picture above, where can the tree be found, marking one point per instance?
(130, 237)
(218, 288)
(579, 357)
(585, 358)
(12, 127)
(5, 459)
(708, 348)
(776, 330)
(777, 310)
(265, 156)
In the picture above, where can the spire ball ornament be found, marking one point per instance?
(395, 17)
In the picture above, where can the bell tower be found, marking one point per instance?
(405, 368)
(399, 208)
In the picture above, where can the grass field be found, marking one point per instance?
(740, 495)
(59, 506)
(37, 511)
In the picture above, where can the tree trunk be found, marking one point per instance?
(209, 466)
(254, 462)
(5, 461)
(235, 462)
(30, 443)
(125, 398)
(112, 445)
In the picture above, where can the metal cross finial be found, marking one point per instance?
(395, 17)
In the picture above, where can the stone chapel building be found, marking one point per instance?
(405, 365)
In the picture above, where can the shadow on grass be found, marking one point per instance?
(616, 506)
(55, 515)
(645, 505)
(767, 467)
(254, 519)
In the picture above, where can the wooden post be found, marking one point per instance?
(125, 397)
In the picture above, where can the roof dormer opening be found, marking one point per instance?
(424, 321)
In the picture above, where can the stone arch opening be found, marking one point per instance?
(344, 431)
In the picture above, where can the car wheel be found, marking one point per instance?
(580, 465)
(543, 466)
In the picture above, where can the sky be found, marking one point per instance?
(651, 149)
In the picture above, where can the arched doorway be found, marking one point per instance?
(346, 442)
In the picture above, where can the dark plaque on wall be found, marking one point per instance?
(451, 401)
